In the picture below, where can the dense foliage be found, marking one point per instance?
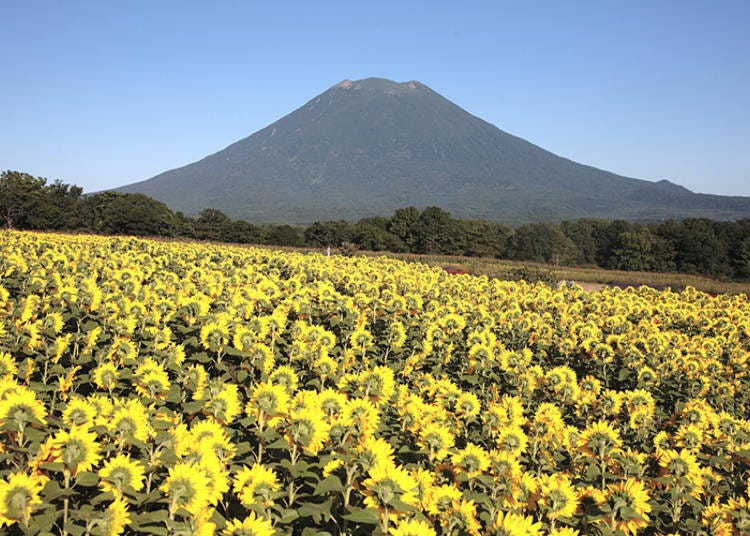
(716, 249)
(173, 388)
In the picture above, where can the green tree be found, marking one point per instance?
(541, 242)
(128, 214)
(21, 196)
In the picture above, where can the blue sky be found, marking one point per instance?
(102, 94)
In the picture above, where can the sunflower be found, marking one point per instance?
(412, 527)
(130, 422)
(512, 524)
(512, 440)
(387, 482)
(268, 403)
(472, 460)
(224, 405)
(558, 497)
(441, 498)
(285, 376)
(378, 384)
(7, 363)
(77, 449)
(19, 497)
(373, 452)
(255, 483)
(252, 525)
(119, 473)
(467, 407)
(360, 417)
(599, 440)
(105, 375)
(22, 408)
(629, 506)
(684, 467)
(214, 336)
(307, 428)
(79, 412)
(463, 517)
(436, 440)
(116, 517)
(187, 487)
(195, 379)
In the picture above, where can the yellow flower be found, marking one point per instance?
(436, 440)
(307, 428)
(377, 384)
(214, 336)
(361, 417)
(387, 481)
(105, 375)
(19, 497)
(130, 422)
(268, 403)
(256, 483)
(224, 405)
(252, 525)
(633, 496)
(558, 497)
(76, 449)
(285, 376)
(472, 460)
(116, 517)
(79, 412)
(512, 524)
(463, 516)
(374, 452)
(512, 440)
(119, 473)
(684, 467)
(599, 439)
(22, 408)
(8, 365)
(412, 527)
(187, 487)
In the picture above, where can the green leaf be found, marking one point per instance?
(87, 478)
(329, 484)
(369, 516)
(316, 510)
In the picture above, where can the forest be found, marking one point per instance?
(718, 249)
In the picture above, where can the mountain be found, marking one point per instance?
(367, 147)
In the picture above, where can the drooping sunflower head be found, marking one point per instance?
(256, 483)
(558, 497)
(472, 460)
(436, 440)
(626, 498)
(599, 439)
(308, 429)
(286, 376)
(252, 525)
(19, 497)
(77, 449)
(268, 401)
(79, 412)
(20, 407)
(187, 487)
(120, 473)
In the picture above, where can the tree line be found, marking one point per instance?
(718, 249)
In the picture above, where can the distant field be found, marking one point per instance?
(504, 269)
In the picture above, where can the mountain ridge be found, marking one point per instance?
(367, 147)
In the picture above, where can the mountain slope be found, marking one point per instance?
(368, 147)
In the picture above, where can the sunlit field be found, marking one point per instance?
(176, 388)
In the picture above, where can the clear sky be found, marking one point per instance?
(102, 94)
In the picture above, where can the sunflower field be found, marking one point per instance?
(175, 388)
